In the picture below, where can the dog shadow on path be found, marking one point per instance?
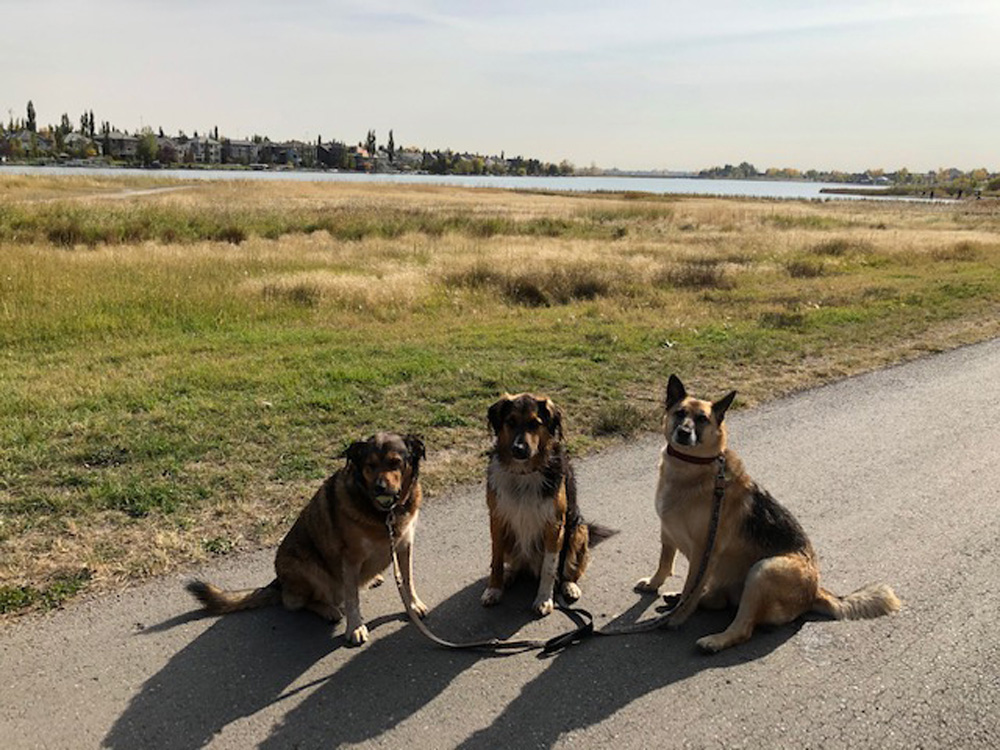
(248, 661)
(586, 684)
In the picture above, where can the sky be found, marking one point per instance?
(632, 84)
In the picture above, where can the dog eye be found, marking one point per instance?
(701, 419)
(680, 414)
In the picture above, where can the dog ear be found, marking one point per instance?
(551, 416)
(356, 452)
(415, 447)
(719, 407)
(675, 391)
(498, 413)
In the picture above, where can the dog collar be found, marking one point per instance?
(690, 459)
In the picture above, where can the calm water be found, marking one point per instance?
(679, 185)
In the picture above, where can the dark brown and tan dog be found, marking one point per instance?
(762, 560)
(340, 543)
(531, 496)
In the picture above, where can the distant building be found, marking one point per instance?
(205, 150)
(121, 145)
(240, 152)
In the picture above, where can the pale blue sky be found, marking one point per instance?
(634, 84)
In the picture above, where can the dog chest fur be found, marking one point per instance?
(684, 506)
(523, 507)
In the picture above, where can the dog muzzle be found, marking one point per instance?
(684, 436)
(519, 449)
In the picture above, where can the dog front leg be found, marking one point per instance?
(357, 631)
(405, 554)
(494, 589)
(651, 584)
(553, 539)
(693, 588)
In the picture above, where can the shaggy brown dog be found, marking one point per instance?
(762, 560)
(340, 543)
(531, 496)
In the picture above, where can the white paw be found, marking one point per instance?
(645, 585)
(358, 635)
(711, 644)
(377, 581)
(571, 591)
(543, 607)
(491, 596)
(418, 608)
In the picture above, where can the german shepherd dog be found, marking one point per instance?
(340, 543)
(531, 496)
(762, 560)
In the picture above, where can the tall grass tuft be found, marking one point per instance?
(705, 273)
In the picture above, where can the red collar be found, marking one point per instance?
(690, 459)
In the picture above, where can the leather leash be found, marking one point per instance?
(585, 619)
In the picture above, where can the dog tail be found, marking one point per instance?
(219, 602)
(597, 533)
(874, 600)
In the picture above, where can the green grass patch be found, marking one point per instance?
(61, 587)
(192, 396)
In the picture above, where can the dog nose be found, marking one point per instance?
(684, 436)
(381, 487)
(519, 449)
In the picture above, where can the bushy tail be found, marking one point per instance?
(597, 533)
(219, 602)
(873, 600)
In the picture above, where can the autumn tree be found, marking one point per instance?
(146, 149)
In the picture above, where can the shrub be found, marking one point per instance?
(805, 269)
(700, 274)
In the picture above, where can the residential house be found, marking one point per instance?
(121, 145)
(240, 152)
(205, 150)
(29, 143)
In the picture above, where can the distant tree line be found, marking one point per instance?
(951, 181)
(24, 139)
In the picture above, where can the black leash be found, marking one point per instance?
(584, 619)
(493, 645)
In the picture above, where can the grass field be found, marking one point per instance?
(183, 363)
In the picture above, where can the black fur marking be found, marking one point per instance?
(771, 526)
(675, 391)
(720, 407)
(551, 419)
(498, 413)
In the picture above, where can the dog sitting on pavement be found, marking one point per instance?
(340, 543)
(535, 522)
(761, 560)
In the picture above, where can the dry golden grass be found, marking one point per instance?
(173, 398)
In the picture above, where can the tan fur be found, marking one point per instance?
(761, 562)
(339, 543)
(528, 517)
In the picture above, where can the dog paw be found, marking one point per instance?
(645, 586)
(377, 581)
(711, 644)
(543, 607)
(358, 635)
(491, 596)
(418, 608)
(670, 602)
(571, 591)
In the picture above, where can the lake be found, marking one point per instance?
(661, 185)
